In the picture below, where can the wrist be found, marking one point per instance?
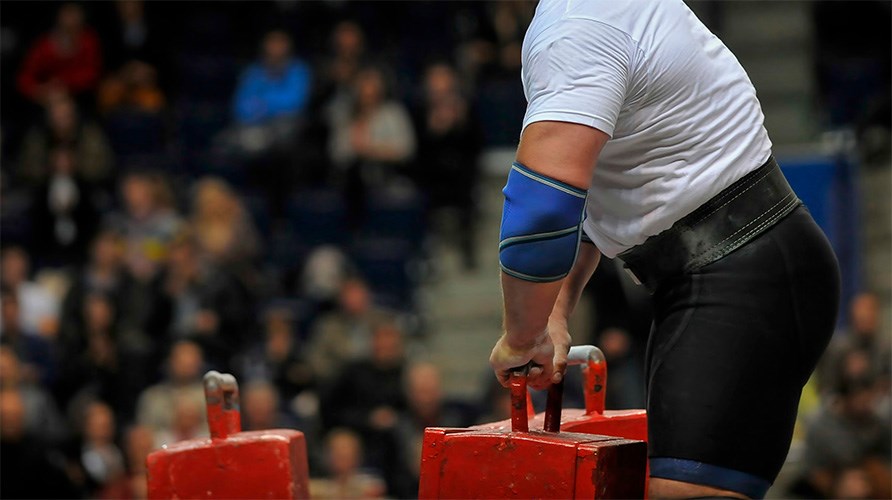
(522, 342)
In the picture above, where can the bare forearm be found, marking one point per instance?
(527, 308)
(586, 262)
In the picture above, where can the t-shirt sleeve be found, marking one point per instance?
(577, 71)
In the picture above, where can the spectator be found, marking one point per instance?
(188, 421)
(134, 38)
(260, 403)
(626, 387)
(148, 222)
(35, 351)
(863, 335)
(98, 456)
(67, 59)
(344, 61)
(65, 212)
(138, 443)
(133, 88)
(279, 359)
(368, 397)
(29, 469)
(343, 335)
(41, 415)
(64, 128)
(38, 308)
(157, 405)
(371, 137)
(209, 304)
(343, 452)
(426, 408)
(95, 365)
(223, 228)
(277, 86)
(450, 141)
(848, 445)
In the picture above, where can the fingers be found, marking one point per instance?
(560, 362)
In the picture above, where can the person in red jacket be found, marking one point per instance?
(67, 59)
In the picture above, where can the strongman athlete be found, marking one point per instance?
(643, 140)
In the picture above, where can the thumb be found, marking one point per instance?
(560, 363)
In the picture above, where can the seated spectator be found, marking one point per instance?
(223, 227)
(157, 405)
(67, 59)
(277, 86)
(98, 457)
(368, 397)
(29, 468)
(847, 445)
(188, 422)
(133, 88)
(65, 213)
(343, 335)
(863, 334)
(42, 418)
(35, 352)
(148, 222)
(260, 404)
(64, 128)
(279, 358)
(346, 57)
(104, 274)
(94, 362)
(345, 479)
(426, 408)
(38, 308)
(624, 371)
(209, 304)
(371, 137)
(135, 38)
(139, 441)
(449, 143)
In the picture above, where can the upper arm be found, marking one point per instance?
(576, 74)
(563, 151)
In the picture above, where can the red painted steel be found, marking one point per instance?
(496, 461)
(629, 424)
(231, 464)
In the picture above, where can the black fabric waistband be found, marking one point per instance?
(723, 224)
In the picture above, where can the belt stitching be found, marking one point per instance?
(689, 227)
(738, 195)
(765, 223)
(750, 223)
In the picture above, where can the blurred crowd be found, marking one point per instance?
(184, 190)
(253, 187)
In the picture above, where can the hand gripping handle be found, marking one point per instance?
(222, 397)
(595, 368)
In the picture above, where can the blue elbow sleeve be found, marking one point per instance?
(541, 226)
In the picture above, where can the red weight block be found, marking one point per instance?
(507, 460)
(231, 464)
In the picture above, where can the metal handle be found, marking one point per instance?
(222, 398)
(517, 383)
(594, 368)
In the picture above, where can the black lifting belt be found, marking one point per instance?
(723, 224)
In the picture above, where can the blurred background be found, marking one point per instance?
(306, 194)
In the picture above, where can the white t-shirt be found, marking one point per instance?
(681, 112)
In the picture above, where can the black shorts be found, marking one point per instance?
(732, 345)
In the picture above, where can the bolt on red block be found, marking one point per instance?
(231, 464)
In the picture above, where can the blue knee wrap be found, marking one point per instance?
(541, 226)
